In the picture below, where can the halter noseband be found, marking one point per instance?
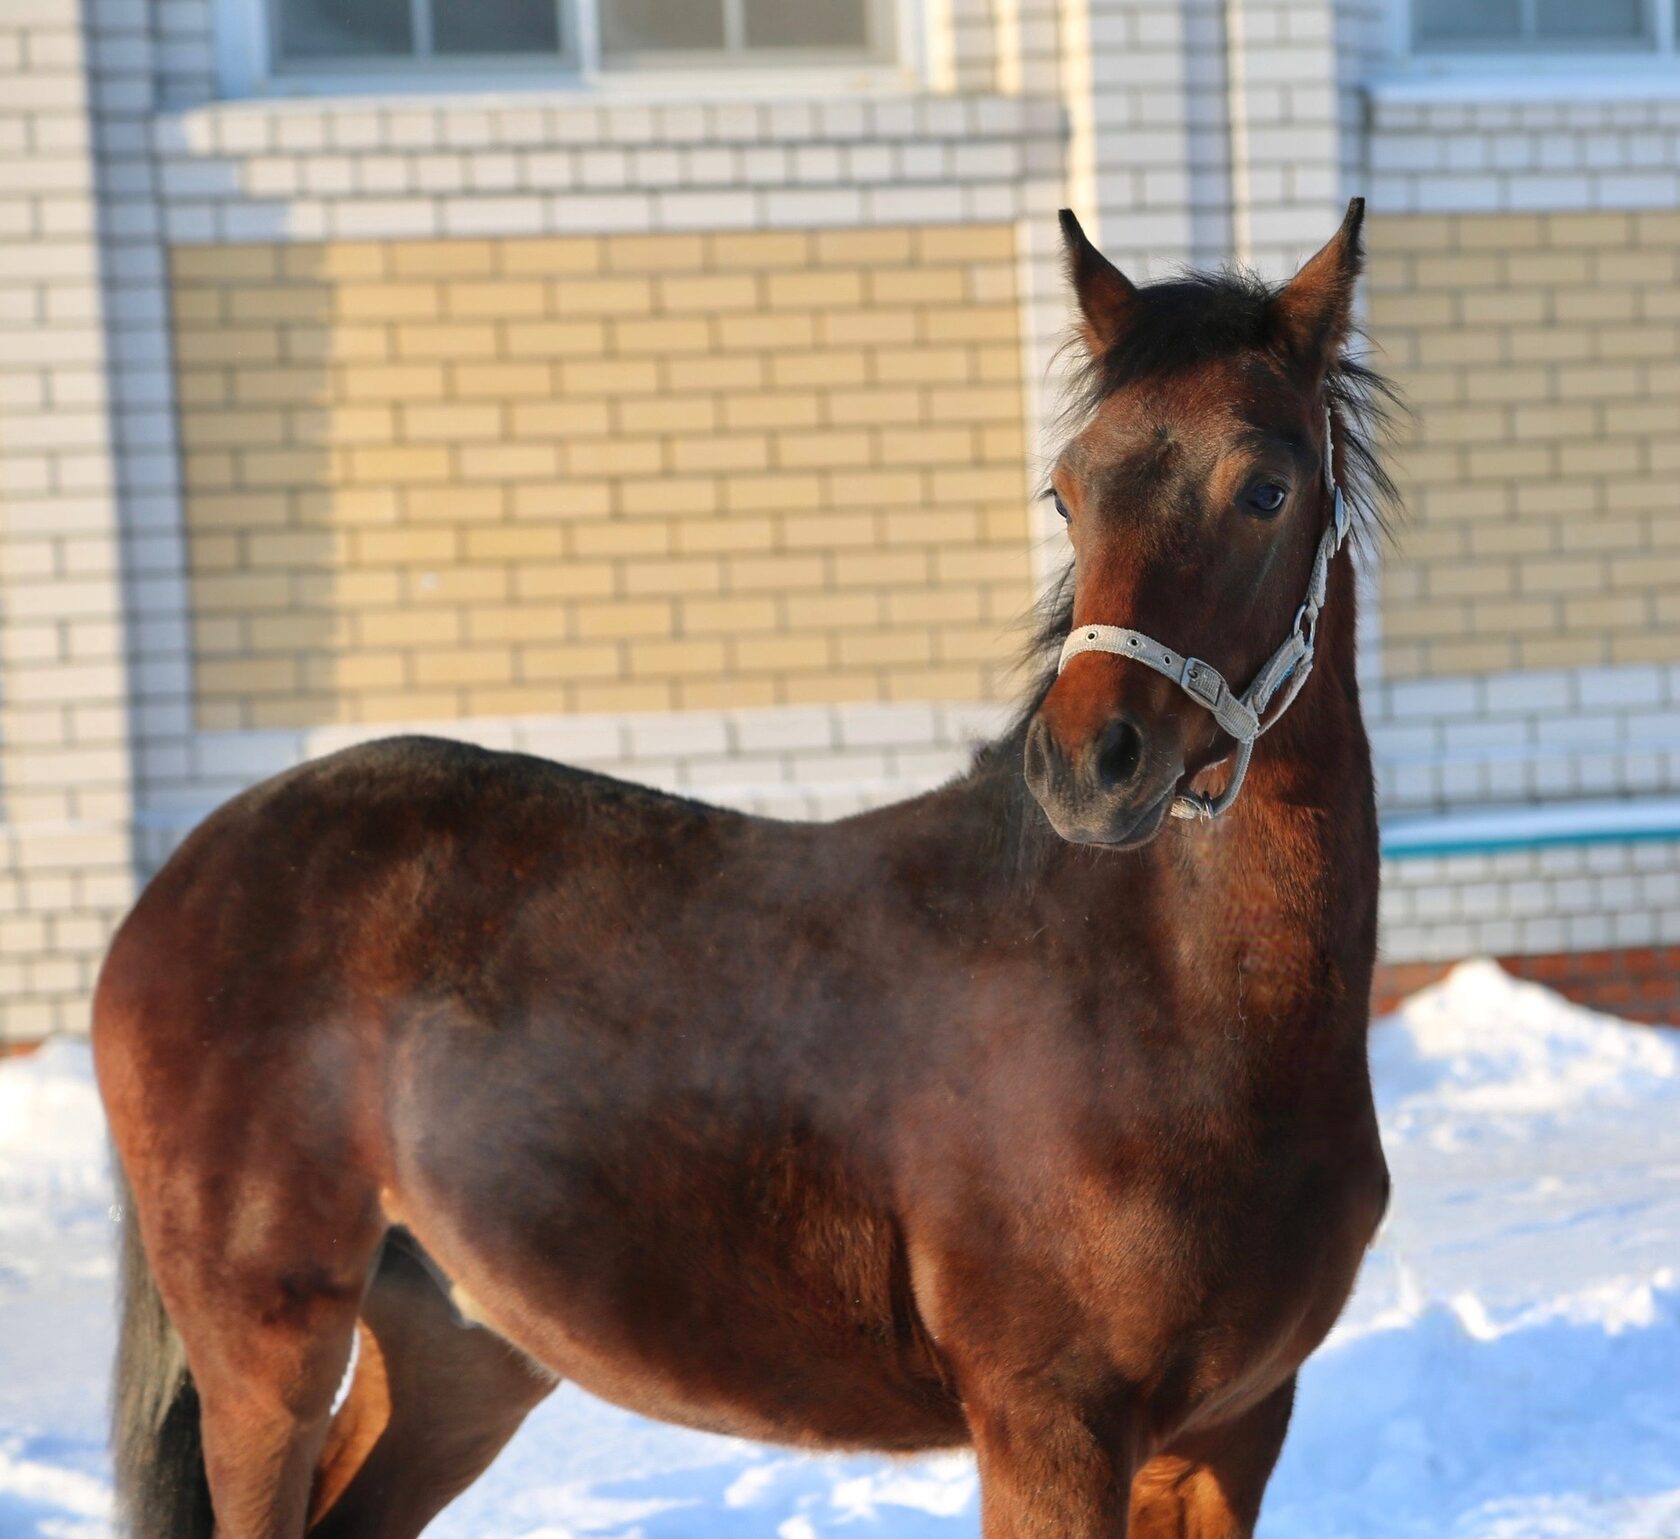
(1242, 716)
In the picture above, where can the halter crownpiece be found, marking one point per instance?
(1242, 716)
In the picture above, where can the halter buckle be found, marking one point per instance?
(1202, 683)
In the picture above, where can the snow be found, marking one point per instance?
(1509, 1367)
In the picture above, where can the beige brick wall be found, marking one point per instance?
(459, 478)
(1542, 356)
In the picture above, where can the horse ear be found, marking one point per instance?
(1313, 313)
(1105, 293)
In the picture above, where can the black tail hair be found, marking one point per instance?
(162, 1492)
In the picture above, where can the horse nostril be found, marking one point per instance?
(1038, 755)
(1119, 752)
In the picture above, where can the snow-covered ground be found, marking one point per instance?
(1510, 1365)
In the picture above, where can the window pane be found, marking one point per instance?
(1468, 21)
(651, 26)
(807, 23)
(495, 26)
(344, 29)
(1610, 21)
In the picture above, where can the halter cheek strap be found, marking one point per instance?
(1245, 716)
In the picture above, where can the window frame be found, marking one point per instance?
(248, 62)
(1659, 51)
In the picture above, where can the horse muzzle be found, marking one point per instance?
(1111, 791)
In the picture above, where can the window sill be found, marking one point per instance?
(1465, 80)
(398, 89)
(553, 122)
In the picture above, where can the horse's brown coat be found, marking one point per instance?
(913, 1130)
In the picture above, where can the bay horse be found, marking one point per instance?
(1021, 1115)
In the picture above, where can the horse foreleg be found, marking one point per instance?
(1048, 1469)
(432, 1402)
(266, 1346)
(262, 1435)
(1210, 1486)
(262, 1270)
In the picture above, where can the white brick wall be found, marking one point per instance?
(65, 857)
(1150, 164)
(1442, 147)
(1554, 734)
(1568, 897)
(1206, 129)
(1287, 190)
(529, 164)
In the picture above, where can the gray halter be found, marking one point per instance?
(1242, 716)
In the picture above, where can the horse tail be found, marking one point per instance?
(162, 1492)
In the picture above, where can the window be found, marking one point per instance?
(346, 31)
(632, 29)
(1531, 26)
(310, 35)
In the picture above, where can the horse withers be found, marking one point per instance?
(1021, 1115)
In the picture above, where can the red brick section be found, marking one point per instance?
(1641, 983)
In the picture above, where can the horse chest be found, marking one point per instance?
(1219, 1301)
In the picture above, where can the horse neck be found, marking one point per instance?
(1295, 876)
(1269, 916)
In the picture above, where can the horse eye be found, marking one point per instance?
(1061, 507)
(1266, 498)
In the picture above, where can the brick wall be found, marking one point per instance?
(65, 856)
(1541, 353)
(1532, 898)
(156, 657)
(1526, 736)
(462, 478)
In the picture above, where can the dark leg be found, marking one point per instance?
(1210, 1486)
(432, 1403)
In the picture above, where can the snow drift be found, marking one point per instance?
(1508, 1369)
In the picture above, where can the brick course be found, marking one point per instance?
(1538, 352)
(461, 478)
